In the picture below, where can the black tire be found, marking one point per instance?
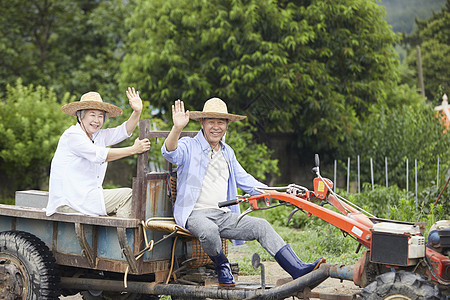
(29, 267)
(401, 286)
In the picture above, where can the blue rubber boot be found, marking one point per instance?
(290, 262)
(223, 269)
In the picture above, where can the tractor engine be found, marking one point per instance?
(397, 244)
(439, 237)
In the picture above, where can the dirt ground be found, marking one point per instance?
(274, 272)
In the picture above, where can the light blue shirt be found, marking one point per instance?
(192, 159)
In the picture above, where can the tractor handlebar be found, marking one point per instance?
(228, 203)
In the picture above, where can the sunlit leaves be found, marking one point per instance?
(31, 122)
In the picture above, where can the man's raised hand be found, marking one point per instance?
(179, 116)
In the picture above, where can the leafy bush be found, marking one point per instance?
(31, 122)
(392, 203)
(411, 132)
(377, 201)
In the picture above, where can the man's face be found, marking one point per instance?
(93, 121)
(214, 130)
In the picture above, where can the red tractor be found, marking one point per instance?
(398, 263)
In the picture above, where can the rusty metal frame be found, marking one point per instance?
(86, 250)
(122, 236)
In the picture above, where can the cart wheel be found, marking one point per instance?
(28, 267)
(87, 295)
(401, 286)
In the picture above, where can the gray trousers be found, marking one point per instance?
(210, 225)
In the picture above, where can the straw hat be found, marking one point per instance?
(91, 100)
(215, 108)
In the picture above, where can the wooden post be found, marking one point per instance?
(335, 178)
(419, 70)
(386, 167)
(139, 186)
(437, 175)
(371, 174)
(359, 175)
(407, 182)
(142, 163)
(348, 174)
(415, 181)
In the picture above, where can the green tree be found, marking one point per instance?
(66, 45)
(255, 157)
(432, 35)
(31, 122)
(308, 67)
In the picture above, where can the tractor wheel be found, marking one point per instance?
(27, 268)
(401, 286)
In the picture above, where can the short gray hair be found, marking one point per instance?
(82, 112)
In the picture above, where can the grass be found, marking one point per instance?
(309, 244)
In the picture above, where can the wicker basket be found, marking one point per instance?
(197, 250)
(203, 258)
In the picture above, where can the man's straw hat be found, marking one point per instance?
(215, 108)
(91, 100)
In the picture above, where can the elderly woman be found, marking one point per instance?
(79, 164)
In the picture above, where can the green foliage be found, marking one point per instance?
(31, 122)
(410, 132)
(432, 37)
(67, 45)
(254, 157)
(393, 203)
(289, 66)
(377, 201)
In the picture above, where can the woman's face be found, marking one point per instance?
(93, 121)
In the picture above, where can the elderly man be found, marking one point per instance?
(208, 173)
(79, 164)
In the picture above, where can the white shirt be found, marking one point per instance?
(215, 183)
(78, 169)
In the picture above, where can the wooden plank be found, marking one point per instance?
(142, 162)
(39, 214)
(164, 134)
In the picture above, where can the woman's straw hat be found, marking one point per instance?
(91, 100)
(215, 108)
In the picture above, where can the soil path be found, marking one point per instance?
(274, 272)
